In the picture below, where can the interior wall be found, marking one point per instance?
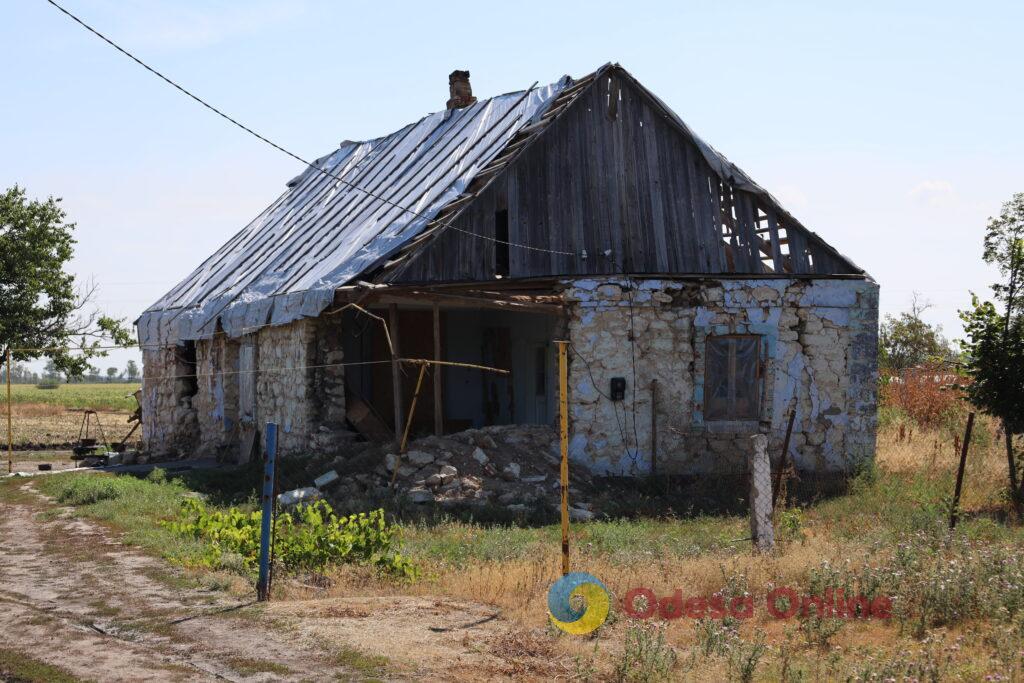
(520, 342)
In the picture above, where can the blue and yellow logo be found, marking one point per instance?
(595, 598)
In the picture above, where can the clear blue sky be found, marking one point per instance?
(891, 129)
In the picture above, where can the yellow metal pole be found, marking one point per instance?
(10, 410)
(563, 411)
(408, 423)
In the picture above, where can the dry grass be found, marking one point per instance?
(889, 527)
(53, 417)
(843, 536)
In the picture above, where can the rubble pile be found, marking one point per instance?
(515, 466)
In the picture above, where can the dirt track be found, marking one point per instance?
(73, 596)
(77, 599)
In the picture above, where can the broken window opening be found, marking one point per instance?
(731, 377)
(501, 251)
(187, 383)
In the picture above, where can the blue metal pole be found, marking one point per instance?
(263, 584)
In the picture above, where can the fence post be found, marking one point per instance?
(563, 412)
(954, 509)
(263, 584)
(761, 530)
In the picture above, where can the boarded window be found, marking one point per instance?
(731, 378)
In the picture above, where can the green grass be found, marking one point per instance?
(134, 506)
(460, 544)
(79, 396)
(367, 665)
(20, 668)
(250, 666)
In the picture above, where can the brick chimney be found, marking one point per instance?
(460, 90)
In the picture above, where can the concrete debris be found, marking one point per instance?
(325, 479)
(511, 471)
(307, 494)
(507, 465)
(419, 458)
(580, 515)
(420, 495)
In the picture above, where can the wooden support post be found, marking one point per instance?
(436, 370)
(408, 423)
(396, 368)
(782, 458)
(563, 412)
(10, 411)
(954, 509)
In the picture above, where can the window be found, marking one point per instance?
(731, 378)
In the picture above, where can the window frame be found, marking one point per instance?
(730, 414)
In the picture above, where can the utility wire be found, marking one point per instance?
(278, 147)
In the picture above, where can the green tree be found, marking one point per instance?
(132, 371)
(41, 305)
(906, 341)
(994, 345)
(111, 374)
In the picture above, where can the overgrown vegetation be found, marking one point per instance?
(958, 599)
(308, 539)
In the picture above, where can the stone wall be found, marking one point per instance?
(284, 383)
(818, 345)
(216, 401)
(298, 384)
(169, 420)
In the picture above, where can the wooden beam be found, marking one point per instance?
(396, 368)
(438, 405)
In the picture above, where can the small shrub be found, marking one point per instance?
(646, 656)
(926, 394)
(716, 636)
(791, 525)
(819, 630)
(87, 490)
(744, 658)
(46, 386)
(308, 539)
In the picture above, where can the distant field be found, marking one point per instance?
(106, 397)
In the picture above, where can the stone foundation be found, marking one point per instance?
(818, 345)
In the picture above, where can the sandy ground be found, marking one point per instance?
(73, 596)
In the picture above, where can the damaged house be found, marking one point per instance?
(698, 310)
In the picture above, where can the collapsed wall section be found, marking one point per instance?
(816, 342)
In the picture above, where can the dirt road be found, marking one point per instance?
(72, 595)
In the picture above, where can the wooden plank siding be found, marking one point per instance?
(619, 178)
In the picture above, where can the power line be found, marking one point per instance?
(280, 148)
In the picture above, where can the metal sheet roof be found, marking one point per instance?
(327, 228)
